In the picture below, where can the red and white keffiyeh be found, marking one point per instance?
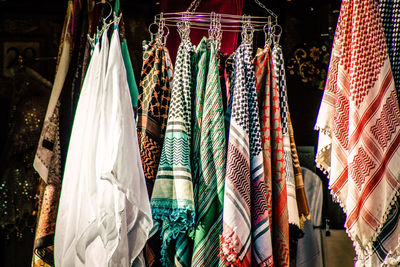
(359, 124)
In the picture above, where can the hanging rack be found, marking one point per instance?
(229, 22)
(202, 20)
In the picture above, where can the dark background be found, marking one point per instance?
(308, 28)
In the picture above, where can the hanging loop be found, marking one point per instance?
(267, 29)
(276, 34)
(247, 30)
(184, 28)
(218, 32)
(193, 6)
(152, 34)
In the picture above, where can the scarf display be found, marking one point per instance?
(273, 153)
(389, 10)
(246, 236)
(209, 157)
(47, 161)
(172, 200)
(359, 126)
(196, 166)
(154, 97)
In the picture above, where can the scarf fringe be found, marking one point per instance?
(393, 257)
(182, 221)
(361, 251)
(364, 252)
(320, 158)
(227, 252)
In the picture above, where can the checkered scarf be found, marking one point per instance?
(359, 125)
(172, 200)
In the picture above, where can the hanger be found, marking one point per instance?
(229, 22)
(105, 25)
(160, 35)
(214, 32)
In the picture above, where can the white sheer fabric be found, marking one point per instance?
(104, 217)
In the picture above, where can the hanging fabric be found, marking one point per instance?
(359, 129)
(153, 103)
(273, 153)
(124, 206)
(301, 209)
(279, 71)
(104, 215)
(70, 214)
(172, 200)
(47, 161)
(154, 98)
(246, 235)
(209, 156)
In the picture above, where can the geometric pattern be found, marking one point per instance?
(152, 110)
(172, 200)
(272, 143)
(279, 71)
(361, 167)
(387, 123)
(390, 14)
(359, 125)
(246, 236)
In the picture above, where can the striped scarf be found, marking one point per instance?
(246, 237)
(209, 156)
(172, 200)
(273, 154)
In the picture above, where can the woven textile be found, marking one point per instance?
(47, 160)
(153, 103)
(279, 71)
(272, 146)
(209, 152)
(172, 200)
(359, 125)
(246, 235)
(390, 14)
